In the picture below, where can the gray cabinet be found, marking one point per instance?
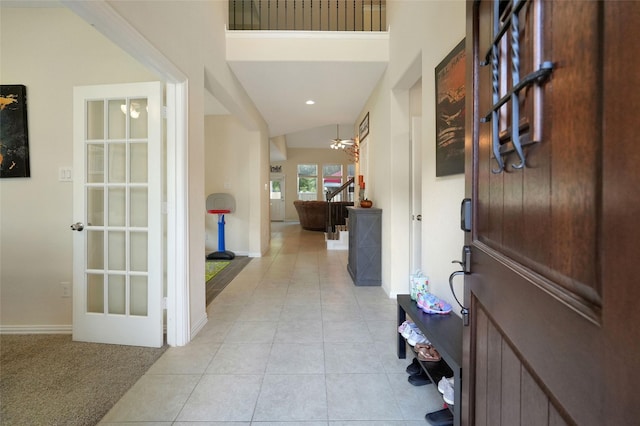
(365, 246)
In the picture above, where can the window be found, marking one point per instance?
(351, 173)
(307, 182)
(332, 179)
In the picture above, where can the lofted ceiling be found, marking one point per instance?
(280, 89)
(281, 70)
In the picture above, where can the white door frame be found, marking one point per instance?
(104, 19)
(415, 184)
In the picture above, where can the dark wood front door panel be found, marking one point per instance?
(554, 244)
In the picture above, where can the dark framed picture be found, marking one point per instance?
(450, 112)
(363, 130)
(14, 134)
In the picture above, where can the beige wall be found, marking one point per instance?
(297, 156)
(50, 51)
(436, 27)
(228, 148)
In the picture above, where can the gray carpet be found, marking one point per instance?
(51, 380)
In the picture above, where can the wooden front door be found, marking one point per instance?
(554, 334)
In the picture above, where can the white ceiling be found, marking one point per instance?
(280, 89)
(281, 70)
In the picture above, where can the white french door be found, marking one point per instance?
(117, 207)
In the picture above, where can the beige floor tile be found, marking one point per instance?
(153, 398)
(290, 341)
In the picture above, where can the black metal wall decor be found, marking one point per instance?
(450, 113)
(506, 22)
(14, 135)
(276, 169)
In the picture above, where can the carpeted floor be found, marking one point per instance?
(47, 379)
(219, 282)
(51, 380)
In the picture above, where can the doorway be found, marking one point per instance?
(277, 198)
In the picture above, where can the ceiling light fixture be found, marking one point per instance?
(338, 143)
(310, 102)
(349, 146)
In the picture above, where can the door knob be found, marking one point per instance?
(78, 226)
(419, 217)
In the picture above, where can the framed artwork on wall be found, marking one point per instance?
(363, 130)
(450, 112)
(14, 135)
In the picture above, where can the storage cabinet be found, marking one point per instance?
(365, 246)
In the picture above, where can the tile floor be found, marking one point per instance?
(290, 341)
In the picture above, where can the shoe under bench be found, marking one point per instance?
(445, 334)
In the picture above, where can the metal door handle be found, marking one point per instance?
(78, 226)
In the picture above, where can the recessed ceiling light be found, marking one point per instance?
(310, 102)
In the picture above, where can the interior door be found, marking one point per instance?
(416, 193)
(118, 281)
(277, 200)
(553, 335)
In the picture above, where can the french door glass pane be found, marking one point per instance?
(95, 206)
(138, 170)
(117, 294)
(138, 207)
(117, 251)
(95, 293)
(95, 163)
(95, 120)
(139, 251)
(138, 122)
(117, 163)
(95, 250)
(117, 206)
(117, 119)
(138, 296)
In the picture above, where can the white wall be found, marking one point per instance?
(229, 163)
(50, 51)
(436, 27)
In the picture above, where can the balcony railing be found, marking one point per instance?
(308, 15)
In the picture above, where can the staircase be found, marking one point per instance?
(337, 236)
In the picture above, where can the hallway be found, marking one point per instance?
(290, 341)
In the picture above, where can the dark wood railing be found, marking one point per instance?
(308, 15)
(337, 211)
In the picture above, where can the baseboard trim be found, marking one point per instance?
(198, 325)
(36, 329)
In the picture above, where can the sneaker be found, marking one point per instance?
(408, 329)
(432, 305)
(416, 336)
(448, 395)
(445, 387)
(444, 383)
(420, 300)
(402, 326)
